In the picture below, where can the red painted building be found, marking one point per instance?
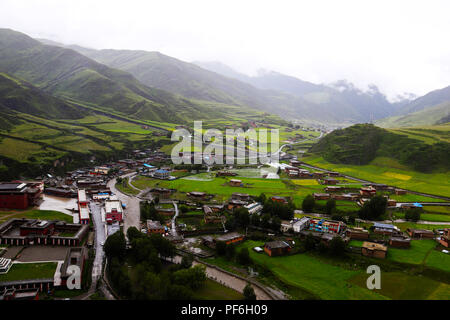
(20, 195)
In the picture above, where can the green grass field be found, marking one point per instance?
(309, 273)
(219, 186)
(35, 214)
(401, 286)
(389, 171)
(416, 254)
(215, 291)
(26, 271)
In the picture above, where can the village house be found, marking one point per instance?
(155, 227)
(235, 204)
(161, 174)
(277, 248)
(225, 173)
(161, 193)
(229, 238)
(420, 233)
(295, 163)
(357, 234)
(329, 181)
(333, 174)
(385, 229)
(375, 250)
(333, 188)
(235, 183)
(400, 192)
(321, 196)
(240, 196)
(254, 208)
(210, 216)
(368, 191)
(197, 195)
(279, 199)
(285, 226)
(445, 238)
(318, 174)
(399, 242)
(391, 202)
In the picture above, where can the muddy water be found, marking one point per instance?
(58, 204)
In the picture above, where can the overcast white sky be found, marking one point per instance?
(401, 46)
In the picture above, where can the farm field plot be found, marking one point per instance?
(439, 260)
(432, 183)
(432, 217)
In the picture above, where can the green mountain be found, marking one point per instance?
(341, 99)
(431, 99)
(20, 96)
(68, 74)
(362, 143)
(316, 103)
(438, 114)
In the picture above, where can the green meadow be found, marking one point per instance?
(389, 171)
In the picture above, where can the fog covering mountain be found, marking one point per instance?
(273, 92)
(155, 86)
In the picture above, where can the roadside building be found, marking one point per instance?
(420, 233)
(285, 226)
(391, 202)
(113, 211)
(333, 174)
(277, 248)
(155, 227)
(375, 250)
(400, 192)
(83, 207)
(102, 170)
(386, 229)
